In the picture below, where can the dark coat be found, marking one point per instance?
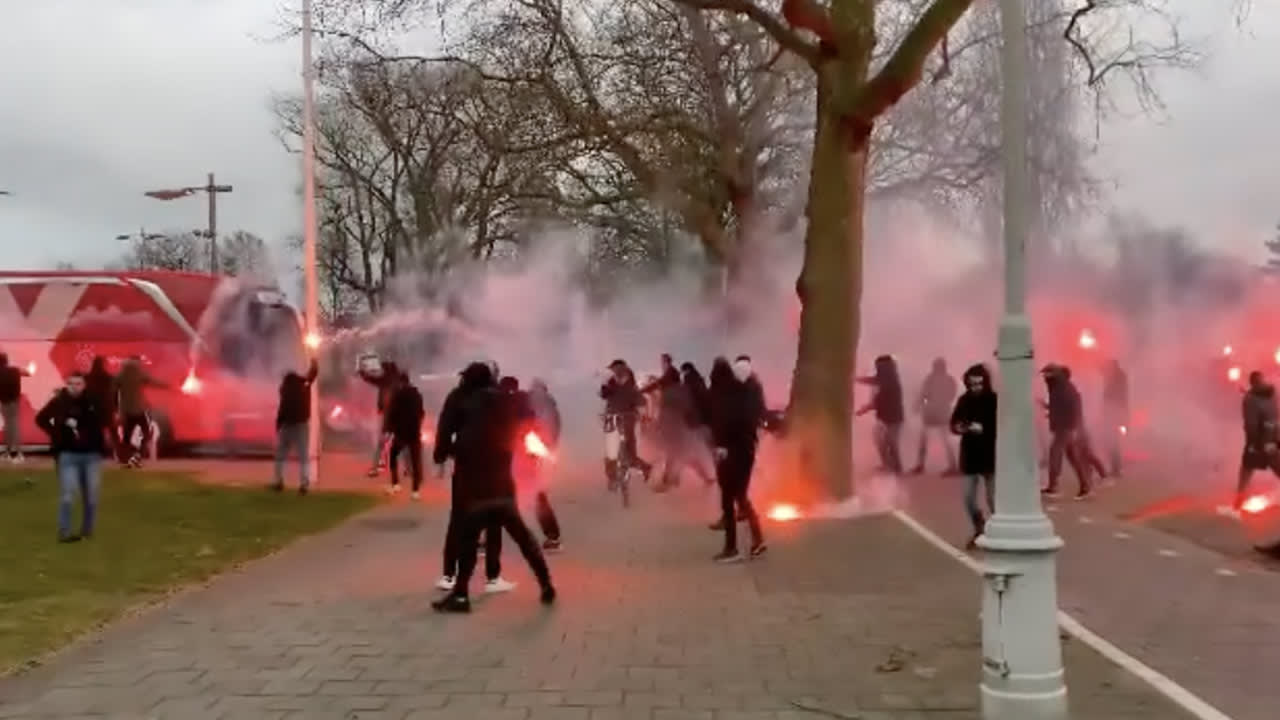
(622, 398)
(295, 397)
(485, 444)
(1066, 409)
(737, 412)
(699, 400)
(1258, 409)
(74, 424)
(477, 376)
(977, 449)
(405, 412)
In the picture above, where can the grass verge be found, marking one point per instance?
(155, 532)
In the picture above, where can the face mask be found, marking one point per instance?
(742, 370)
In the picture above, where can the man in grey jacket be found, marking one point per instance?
(937, 395)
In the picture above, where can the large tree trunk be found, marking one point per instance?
(830, 286)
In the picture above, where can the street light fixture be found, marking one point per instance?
(1022, 674)
(211, 188)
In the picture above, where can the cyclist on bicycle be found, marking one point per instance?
(622, 402)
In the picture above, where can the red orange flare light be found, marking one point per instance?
(1233, 374)
(312, 340)
(1227, 350)
(336, 412)
(783, 512)
(1124, 429)
(535, 447)
(1087, 340)
(31, 368)
(1256, 504)
(192, 385)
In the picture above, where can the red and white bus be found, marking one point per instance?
(219, 346)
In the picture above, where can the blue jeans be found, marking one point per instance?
(971, 500)
(83, 471)
(290, 437)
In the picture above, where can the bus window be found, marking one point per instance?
(257, 340)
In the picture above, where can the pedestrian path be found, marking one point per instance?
(845, 619)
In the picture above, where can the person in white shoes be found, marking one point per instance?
(10, 397)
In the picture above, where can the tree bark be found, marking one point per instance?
(820, 415)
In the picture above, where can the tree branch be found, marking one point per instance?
(800, 11)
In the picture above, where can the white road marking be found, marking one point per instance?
(1226, 572)
(1121, 535)
(1176, 694)
(1086, 520)
(1165, 552)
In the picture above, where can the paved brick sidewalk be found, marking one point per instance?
(857, 618)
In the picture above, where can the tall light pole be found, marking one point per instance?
(310, 228)
(1022, 675)
(210, 188)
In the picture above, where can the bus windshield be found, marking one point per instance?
(256, 335)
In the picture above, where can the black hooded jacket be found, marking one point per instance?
(1260, 416)
(385, 383)
(74, 424)
(1065, 405)
(100, 383)
(295, 397)
(977, 448)
(737, 410)
(699, 411)
(405, 412)
(476, 376)
(622, 398)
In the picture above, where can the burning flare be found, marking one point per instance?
(1227, 350)
(311, 340)
(31, 368)
(535, 447)
(1256, 504)
(783, 512)
(336, 412)
(1233, 374)
(1087, 340)
(1124, 429)
(191, 385)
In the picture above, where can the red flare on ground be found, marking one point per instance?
(783, 512)
(1256, 504)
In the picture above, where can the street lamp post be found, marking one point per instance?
(309, 226)
(210, 188)
(1022, 674)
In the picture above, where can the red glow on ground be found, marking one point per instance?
(1256, 504)
(783, 512)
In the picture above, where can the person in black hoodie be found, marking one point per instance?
(1065, 420)
(623, 400)
(890, 413)
(384, 379)
(74, 423)
(10, 398)
(100, 384)
(974, 420)
(1261, 434)
(485, 435)
(293, 417)
(474, 378)
(404, 414)
(737, 411)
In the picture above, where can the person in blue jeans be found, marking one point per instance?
(974, 420)
(77, 433)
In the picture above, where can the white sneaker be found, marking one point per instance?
(19, 459)
(445, 583)
(393, 489)
(415, 495)
(498, 585)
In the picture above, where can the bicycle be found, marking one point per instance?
(618, 465)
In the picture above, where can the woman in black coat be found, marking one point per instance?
(974, 420)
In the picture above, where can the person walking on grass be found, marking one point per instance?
(293, 420)
(77, 435)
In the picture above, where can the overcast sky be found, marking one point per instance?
(101, 100)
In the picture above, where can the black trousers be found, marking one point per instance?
(733, 473)
(547, 521)
(492, 518)
(1066, 444)
(413, 446)
(453, 546)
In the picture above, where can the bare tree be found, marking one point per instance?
(240, 253)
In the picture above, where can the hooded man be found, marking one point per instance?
(890, 414)
(974, 420)
(1066, 418)
(672, 427)
(473, 379)
(384, 377)
(76, 431)
(404, 414)
(934, 404)
(10, 397)
(484, 433)
(737, 412)
(135, 419)
(1258, 410)
(293, 419)
(622, 400)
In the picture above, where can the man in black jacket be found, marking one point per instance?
(623, 400)
(76, 431)
(404, 418)
(1066, 419)
(10, 397)
(383, 377)
(476, 377)
(737, 412)
(484, 437)
(293, 418)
